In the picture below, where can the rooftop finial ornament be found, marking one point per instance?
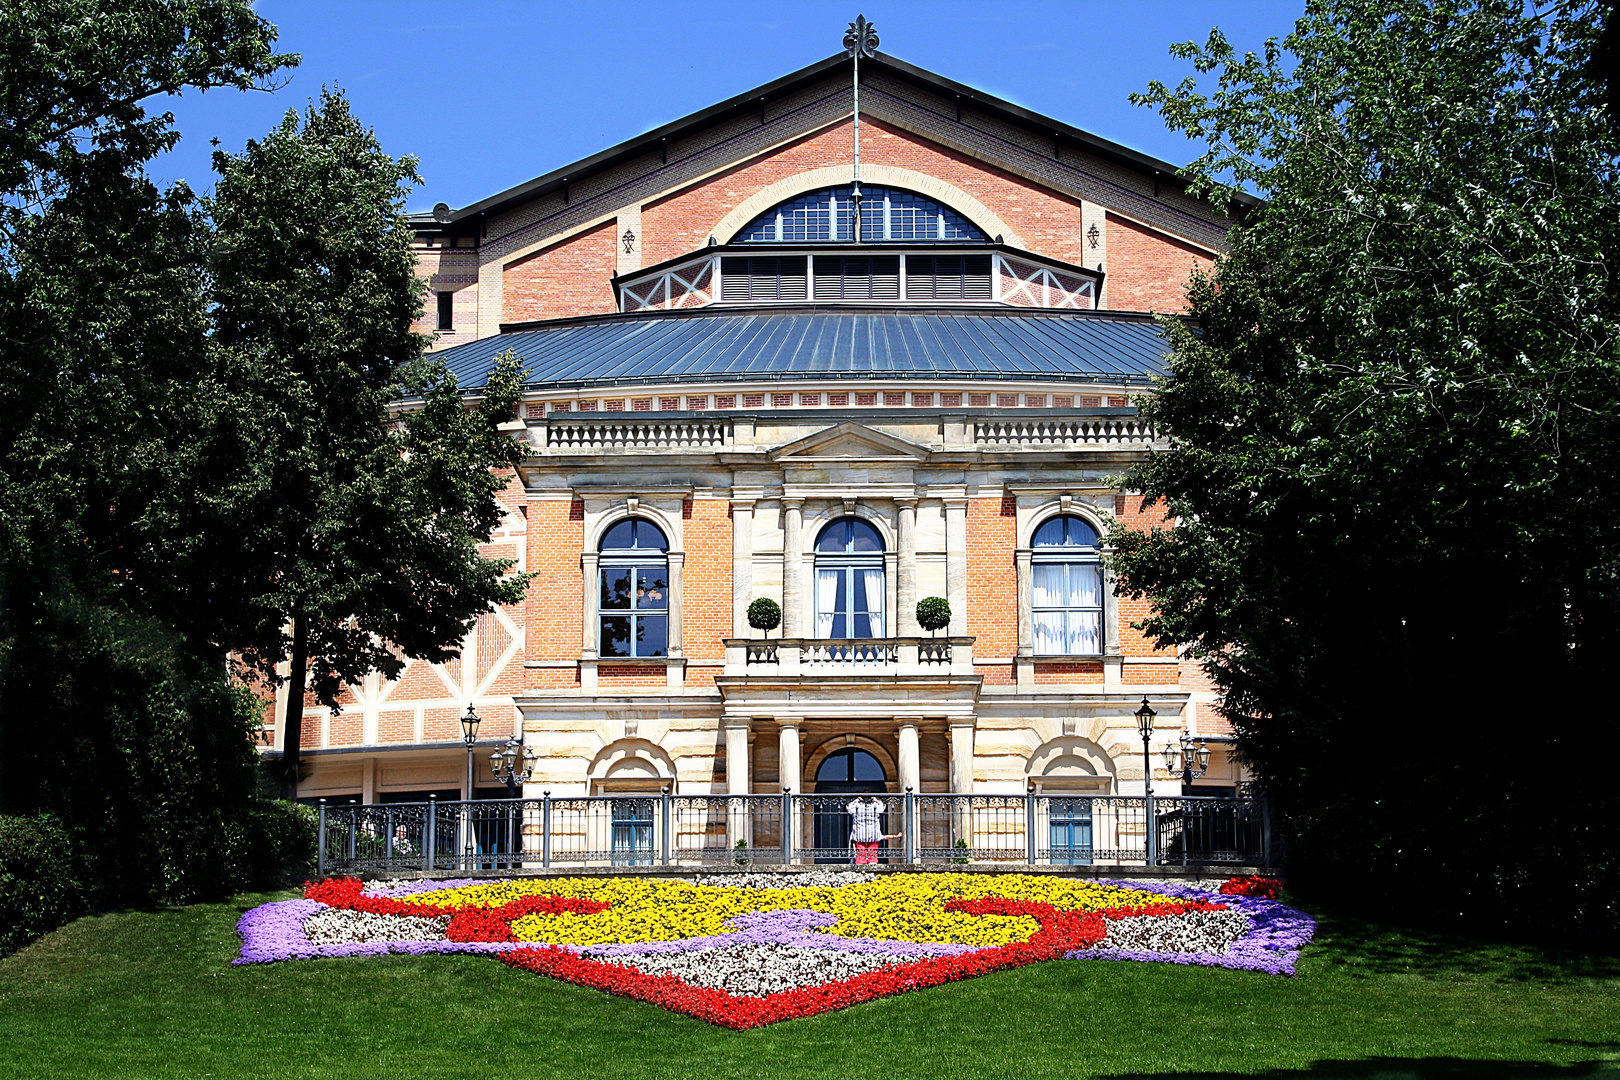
(861, 40)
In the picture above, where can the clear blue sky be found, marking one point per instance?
(488, 95)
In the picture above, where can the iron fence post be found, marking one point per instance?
(667, 807)
(320, 843)
(430, 852)
(909, 825)
(1265, 830)
(354, 828)
(545, 829)
(1151, 830)
(1029, 828)
(787, 826)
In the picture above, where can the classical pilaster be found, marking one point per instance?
(1023, 662)
(962, 757)
(793, 568)
(910, 761)
(739, 769)
(956, 561)
(742, 564)
(906, 621)
(787, 749)
(587, 565)
(677, 560)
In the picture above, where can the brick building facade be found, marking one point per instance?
(844, 406)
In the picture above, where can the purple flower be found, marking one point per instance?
(1276, 934)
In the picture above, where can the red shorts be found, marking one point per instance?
(866, 854)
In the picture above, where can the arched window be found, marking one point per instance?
(634, 603)
(888, 215)
(1066, 604)
(849, 580)
(849, 770)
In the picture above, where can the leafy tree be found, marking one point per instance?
(360, 536)
(1395, 419)
(114, 713)
(764, 614)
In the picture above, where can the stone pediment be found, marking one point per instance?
(849, 442)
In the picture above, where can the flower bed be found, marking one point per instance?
(745, 950)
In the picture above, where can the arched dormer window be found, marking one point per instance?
(849, 580)
(633, 605)
(888, 215)
(1067, 595)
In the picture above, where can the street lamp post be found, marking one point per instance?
(503, 765)
(1144, 722)
(469, 735)
(1191, 757)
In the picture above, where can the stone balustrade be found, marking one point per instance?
(849, 656)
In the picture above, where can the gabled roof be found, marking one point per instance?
(980, 101)
(798, 342)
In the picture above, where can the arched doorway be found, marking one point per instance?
(843, 774)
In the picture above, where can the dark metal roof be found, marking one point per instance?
(818, 342)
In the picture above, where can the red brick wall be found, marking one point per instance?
(1132, 642)
(1069, 672)
(1147, 270)
(992, 580)
(706, 579)
(1047, 222)
(568, 278)
(556, 600)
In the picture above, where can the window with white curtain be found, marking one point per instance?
(1066, 600)
(849, 580)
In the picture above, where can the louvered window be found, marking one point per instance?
(865, 277)
(763, 278)
(948, 277)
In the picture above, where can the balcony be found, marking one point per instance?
(849, 656)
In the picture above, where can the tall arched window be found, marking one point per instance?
(1067, 586)
(849, 580)
(634, 603)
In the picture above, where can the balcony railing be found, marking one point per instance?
(779, 830)
(855, 656)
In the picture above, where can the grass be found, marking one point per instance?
(153, 994)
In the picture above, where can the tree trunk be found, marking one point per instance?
(292, 720)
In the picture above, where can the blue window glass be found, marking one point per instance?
(633, 603)
(850, 584)
(887, 215)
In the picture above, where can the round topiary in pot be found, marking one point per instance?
(764, 614)
(934, 613)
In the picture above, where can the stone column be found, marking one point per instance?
(742, 565)
(956, 562)
(739, 770)
(962, 757)
(793, 568)
(1023, 662)
(787, 749)
(906, 622)
(910, 757)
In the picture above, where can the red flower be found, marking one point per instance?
(1254, 885)
(466, 923)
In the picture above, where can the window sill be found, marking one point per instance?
(635, 661)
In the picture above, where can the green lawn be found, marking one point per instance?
(143, 994)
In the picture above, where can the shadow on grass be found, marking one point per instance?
(1359, 947)
(1411, 1069)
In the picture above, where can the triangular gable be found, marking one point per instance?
(849, 441)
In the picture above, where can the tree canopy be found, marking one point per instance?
(1395, 416)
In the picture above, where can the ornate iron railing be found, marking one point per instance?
(774, 830)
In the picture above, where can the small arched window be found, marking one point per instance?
(1066, 604)
(634, 601)
(849, 580)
